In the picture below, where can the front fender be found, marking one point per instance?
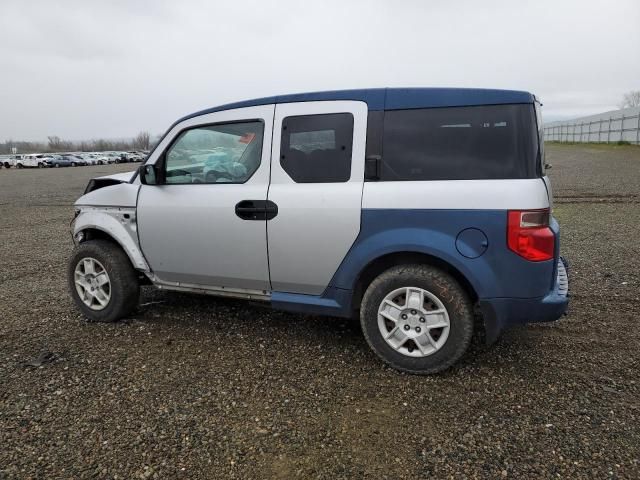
(117, 222)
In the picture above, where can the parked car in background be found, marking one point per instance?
(118, 157)
(87, 158)
(135, 157)
(96, 158)
(32, 160)
(75, 160)
(113, 157)
(55, 161)
(10, 160)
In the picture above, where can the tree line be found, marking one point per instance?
(55, 144)
(630, 99)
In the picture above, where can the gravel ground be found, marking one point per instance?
(198, 387)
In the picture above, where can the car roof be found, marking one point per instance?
(392, 98)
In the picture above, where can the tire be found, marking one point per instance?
(440, 291)
(74, 164)
(124, 288)
(40, 165)
(19, 165)
(57, 165)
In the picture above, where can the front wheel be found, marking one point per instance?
(102, 281)
(417, 318)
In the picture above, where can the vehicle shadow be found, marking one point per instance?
(216, 313)
(257, 322)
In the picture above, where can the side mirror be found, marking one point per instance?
(148, 174)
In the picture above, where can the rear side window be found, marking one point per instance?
(460, 143)
(317, 148)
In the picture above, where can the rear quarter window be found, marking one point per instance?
(317, 148)
(460, 143)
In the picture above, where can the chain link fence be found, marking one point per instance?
(609, 127)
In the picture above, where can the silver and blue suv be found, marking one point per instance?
(415, 209)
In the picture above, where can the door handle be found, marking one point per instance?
(256, 209)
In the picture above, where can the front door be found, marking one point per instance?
(200, 225)
(317, 176)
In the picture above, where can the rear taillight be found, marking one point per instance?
(529, 235)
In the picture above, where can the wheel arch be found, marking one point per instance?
(110, 225)
(97, 233)
(94, 233)
(381, 263)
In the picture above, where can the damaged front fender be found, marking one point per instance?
(119, 223)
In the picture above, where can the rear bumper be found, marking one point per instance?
(501, 313)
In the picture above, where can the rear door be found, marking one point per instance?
(317, 175)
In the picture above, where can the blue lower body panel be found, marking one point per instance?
(334, 302)
(500, 313)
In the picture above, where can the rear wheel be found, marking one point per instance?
(74, 164)
(102, 281)
(40, 165)
(417, 318)
(19, 165)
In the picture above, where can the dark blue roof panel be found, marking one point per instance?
(405, 98)
(393, 98)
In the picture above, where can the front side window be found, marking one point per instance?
(221, 153)
(460, 143)
(317, 148)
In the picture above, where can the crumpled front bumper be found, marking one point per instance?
(500, 313)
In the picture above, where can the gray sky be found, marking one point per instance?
(86, 69)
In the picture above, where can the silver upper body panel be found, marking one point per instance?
(520, 194)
